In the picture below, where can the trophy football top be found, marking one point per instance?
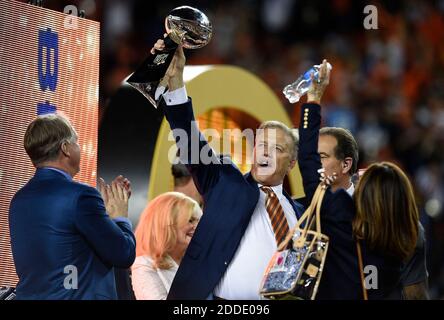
(188, 26)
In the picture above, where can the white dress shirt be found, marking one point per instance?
(150, 283)
(243, 276)
(178, 96)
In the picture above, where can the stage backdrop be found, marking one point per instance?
(49, 61)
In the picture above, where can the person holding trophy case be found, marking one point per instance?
(235, 238)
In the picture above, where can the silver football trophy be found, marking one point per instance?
(184, 25)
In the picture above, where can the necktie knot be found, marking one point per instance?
(268, 191)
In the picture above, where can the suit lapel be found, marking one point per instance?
(296, 209)
(249, 177)
(253, 184)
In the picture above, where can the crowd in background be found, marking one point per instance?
(386, 87)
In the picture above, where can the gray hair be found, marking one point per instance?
(45, 135)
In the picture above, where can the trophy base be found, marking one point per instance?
(149, 74)
(148, 89)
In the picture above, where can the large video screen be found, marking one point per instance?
(49, 61)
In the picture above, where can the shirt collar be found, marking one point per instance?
(60, 171)
(351, 190)
(172, 261)
(278, 190)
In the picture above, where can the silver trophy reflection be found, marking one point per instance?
(184, 25)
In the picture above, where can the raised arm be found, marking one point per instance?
(195, 152)
(310, 122)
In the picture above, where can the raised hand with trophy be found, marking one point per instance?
(185, 26)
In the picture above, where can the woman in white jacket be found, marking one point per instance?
(162, 236)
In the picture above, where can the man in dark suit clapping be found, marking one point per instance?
(65, 238)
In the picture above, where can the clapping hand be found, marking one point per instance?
(116, 196)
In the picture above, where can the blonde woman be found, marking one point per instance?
(164, 231)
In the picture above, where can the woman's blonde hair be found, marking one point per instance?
(156, 232)
(387, 217)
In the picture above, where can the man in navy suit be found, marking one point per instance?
(65, 239)
(237, 234)
(336, 151)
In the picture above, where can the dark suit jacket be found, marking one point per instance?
(340, 278)
(229, 201)
(56, 222)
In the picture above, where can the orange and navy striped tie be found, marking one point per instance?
(276, 214)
